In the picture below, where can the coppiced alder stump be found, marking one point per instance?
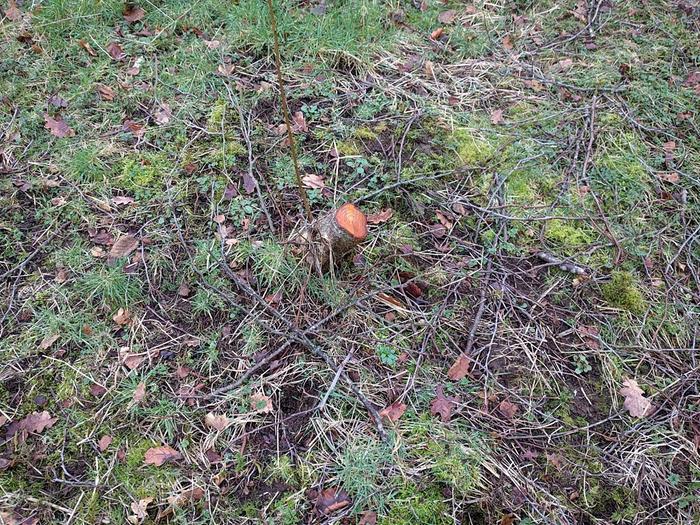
(332, 236)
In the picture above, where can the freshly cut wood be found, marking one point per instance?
(332, 236)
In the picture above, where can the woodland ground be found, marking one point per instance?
(129, 207)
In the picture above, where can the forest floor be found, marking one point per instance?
(513, 343)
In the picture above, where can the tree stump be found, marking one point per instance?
(332, 236)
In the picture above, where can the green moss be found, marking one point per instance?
(567, 235)
(143, 176)
(364, 133)
(456, 466)
(140, 480)
(471, 149)
(622, 292)
(348, 148)
(217, 115)
(413, 504)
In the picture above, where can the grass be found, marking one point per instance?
(593, 160)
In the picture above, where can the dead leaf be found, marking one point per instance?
(57, 126)
(331, 500)
(313, 181)
(442, 405)
(212, 44)
(534, 85)
(460, 368)
(115, 51)
(562, 65)
(122, 200)
(437, 33)
(123, 246)
(217, 421)
(225, 69)
(133, 14)
(186, 496)
(669, 176)
(12, 518)
(260, 403)
(380, 217)
(34, 423)
(139, 392)
(104, 443)
(12, 12)
(97, 390)
(394, 411)
(507, 409)
(122, 317)
(444, 220)
(105, 92)
(497, 117)
(507, 43)
(129, 359)
(368, 518)
(447, 17)
(299, 123)
(556, 460)
(87, 47)
(47, 341)
(163, 115)
(139, 509)
(635, 402)
(157, 456)
(58, 101)
(183, 290)
(61, 275)
(133, 127)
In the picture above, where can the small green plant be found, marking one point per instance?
(582, 364)
(387, 354)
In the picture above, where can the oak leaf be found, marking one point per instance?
(115, 51)
(635, 402)
(442, 404)
(507, 409)
(394, 411)
(57, 126)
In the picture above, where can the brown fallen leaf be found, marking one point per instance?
(460, 368)
(163, 115)
(87, 47)
(122, 200)
(183, 290)
(122, 317)
(668, 176)
(225, 69)
(139, 509)
(331, 500)
(217, 421)
(507, 43)
(497, 117)
(115, 51)
(313, 181)
(157, 456)
(58, 101)
(437, 33)
(380, 217)
(104, 443)
(442, 405)
(12, 12)
(394, 411)
(299, 122)
(105, 92)
(635, 402)
(444, 220)
(47, 341)
(447, 17)
(12, 518)
(507, 409)
(123, 246)
(130, 359)
(133, 14)
(261, 403)
(133, 127)
(368, 518)
(57, 126)
(97, 390)
(34, 423)
(139, 392)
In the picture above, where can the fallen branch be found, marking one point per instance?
(563, 265)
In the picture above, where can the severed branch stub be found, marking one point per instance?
(332, 236)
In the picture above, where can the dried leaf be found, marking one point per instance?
(104, 443)
(12, 12)
(447, 17)
(260, 403)
(122, 317)
(133, 14)
(437, 33)
(105, 92)
(159, 455)
(36, 423)
(186, 496)
(635, 402)
(139, 509)
(442, 405)
(380, 217)
(122, 200)
(87, 47)
(58, 101)
(368, 518)
(133, 127)
(217, 421)
(460, 368)
(507, 43)
(123, 247)
(313, 181)
(12, 518)
(183, 290)
(115, 51)
(57, 126)
(507, 409)
(47, 341)
(225, 69)
(130, 360)
(394, 411)
(669, 176)
(444, 220)
(139, 392)
(497, 117)
(163, 115)
(97, 390)
(331, 500)
(299, 122)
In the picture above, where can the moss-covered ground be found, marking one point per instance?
(495, 143)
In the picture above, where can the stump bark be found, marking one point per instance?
(332, 236)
